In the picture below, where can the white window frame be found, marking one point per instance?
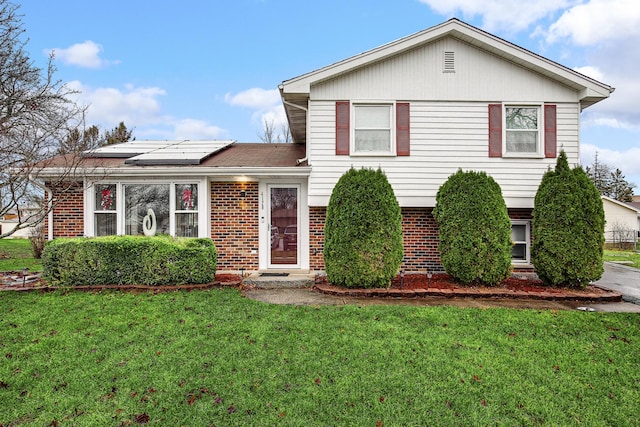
(526, 242)
(392, 128)
(203, 200)
(104, 211)
(539, 153)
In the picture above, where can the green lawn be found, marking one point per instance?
(617, 255)
(15, 254)
(215, 358)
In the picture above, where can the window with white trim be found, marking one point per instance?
(146, 209)
(520, 237)
(105, 214)
(186, 210)
(522, 130)
(373, 129)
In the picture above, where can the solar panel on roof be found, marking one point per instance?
(147, 153)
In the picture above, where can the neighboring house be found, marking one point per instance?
(419, 108)
(9, 221)
(622, 222)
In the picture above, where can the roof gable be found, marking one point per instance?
(467, 33)
(621, 204)
(295, 92)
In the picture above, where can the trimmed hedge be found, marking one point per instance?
(474, 227)
(363, 231)
(568, 228)
(129, 260)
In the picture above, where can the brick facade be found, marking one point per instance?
(68, 210)
(235, 227)
(234, 224)
(420, 234)
(419, 230)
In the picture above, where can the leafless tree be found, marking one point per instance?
(270, 135)
(36, 114)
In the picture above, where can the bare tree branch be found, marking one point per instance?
(36, 114)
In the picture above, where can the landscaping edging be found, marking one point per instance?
(591, 294)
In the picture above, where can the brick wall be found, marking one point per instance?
(234, 224)
(316, 237)
(420, 234)
(68, 216)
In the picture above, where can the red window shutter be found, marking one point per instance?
(495, 130)
(550, 144)
(343, 113)
(402, 129)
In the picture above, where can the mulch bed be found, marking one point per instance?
(442, 285)
(13, 281)
(409, 286)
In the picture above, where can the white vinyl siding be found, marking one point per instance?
(418, 75)
(445, 136)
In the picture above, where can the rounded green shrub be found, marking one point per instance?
(474, 228)
(129, 260)
(363, 231)
(567, 228)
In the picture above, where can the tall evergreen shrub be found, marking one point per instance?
(568, 227)
(474, 227)
(363, 231)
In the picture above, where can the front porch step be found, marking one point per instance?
(294, 280)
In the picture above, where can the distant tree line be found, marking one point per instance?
(609, 182)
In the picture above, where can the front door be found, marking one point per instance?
(284, 222)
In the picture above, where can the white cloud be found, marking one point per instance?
(108, 106)
(255, 98)
(508, 15)
(141, 111)
(197, 129)
(86, 54)
(591, 71)
(596, 21)
(267, 106)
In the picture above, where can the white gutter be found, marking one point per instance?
(306, 110)
(163, 171)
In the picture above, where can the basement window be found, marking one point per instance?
(520, 237)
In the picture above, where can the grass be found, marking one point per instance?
(620, 255)
(216, 358)
(15, 255)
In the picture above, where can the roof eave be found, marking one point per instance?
(186, 171)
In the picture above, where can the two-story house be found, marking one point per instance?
(421, 107)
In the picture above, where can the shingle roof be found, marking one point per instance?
(250, 155)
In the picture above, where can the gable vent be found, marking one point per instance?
(449, 62)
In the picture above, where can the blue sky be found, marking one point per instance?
(199, 69)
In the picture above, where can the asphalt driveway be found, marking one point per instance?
(623, 279)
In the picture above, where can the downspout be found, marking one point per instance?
(306, 110)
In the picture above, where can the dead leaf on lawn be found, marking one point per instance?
(141, 418)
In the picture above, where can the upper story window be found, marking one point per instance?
(522, 130)
(372, 129)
